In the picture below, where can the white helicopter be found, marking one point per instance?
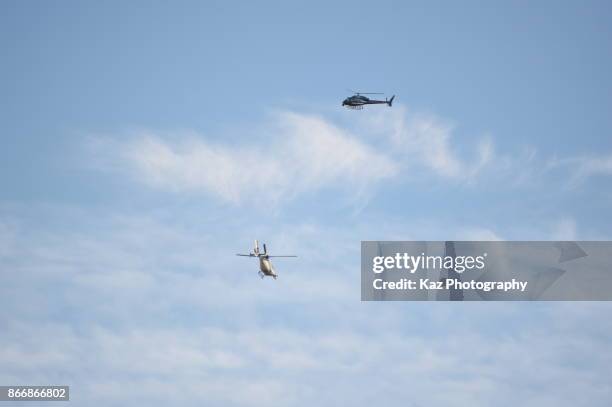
(265, 265)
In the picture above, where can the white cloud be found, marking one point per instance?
(564, 229)
(583, 167)
(151, 311)
(423, 140)
(305, 153)
(261, 366)
(296, 154)
(476, 233)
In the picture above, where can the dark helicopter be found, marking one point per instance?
(357, 101)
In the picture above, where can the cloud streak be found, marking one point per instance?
(306, 153)
(296, 154)
(424, 142)
(584, 166)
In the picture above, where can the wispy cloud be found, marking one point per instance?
(583, 166)
(296, 154)
(424, 140)
(148, 309)
(564, 229)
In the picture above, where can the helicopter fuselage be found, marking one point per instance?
(266, 267)
(358, 101)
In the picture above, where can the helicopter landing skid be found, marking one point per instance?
(360, 107)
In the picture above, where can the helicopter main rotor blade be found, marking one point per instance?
(282, 256)
(365, 93)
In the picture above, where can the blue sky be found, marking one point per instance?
(146, 143)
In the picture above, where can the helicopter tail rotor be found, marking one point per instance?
(390, 101)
